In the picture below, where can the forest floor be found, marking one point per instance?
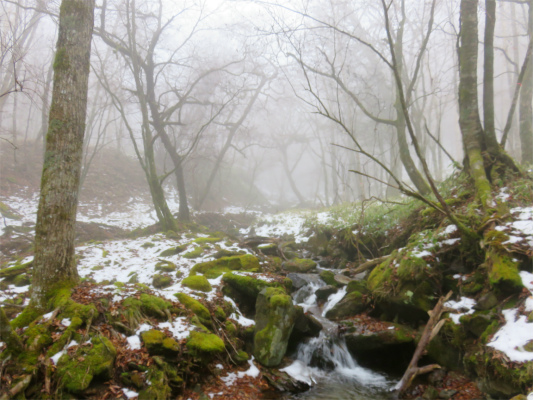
(115, 265)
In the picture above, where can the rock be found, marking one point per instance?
(173, 251)
(486, 301)
(227, 253)
(301, 265)
(282, 382)
(357, 285)
(447, 394)
(274, 321)
(342, 280)
(362, 344)
(161, 281)
(157, 343)
(351, 304)
(305, 325)
(247, 285)
(324, 292)
(269, 249)
(436, 377)
(197, 282)
(165, 266)
(503, 272)
(88, 361)
(213, 269)
(430, 393)
(204, 345)
(300, 280)
(196, 307)
(328, 277)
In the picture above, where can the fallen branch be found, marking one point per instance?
(19, 387)
(430, 331)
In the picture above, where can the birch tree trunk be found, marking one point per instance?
(54, 265)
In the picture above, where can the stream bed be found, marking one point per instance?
(325, 363)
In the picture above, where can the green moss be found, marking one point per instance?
(503, 272)
(328, 277)
(412, 268)
(22, 280)
(201, 344)
(97, 268)
(76, 373)
(148, 245)
(381, 276)
(215, 268)
(154, 306)
(165, 266)
(173, 251)
(241, 357)
(159, 388)
(197, 282)
(156, 342)
(204, 240)
(11, 272)
(161, 281)
(356, 286)
(299, 265)
(196, 307)
(247, 285)
(26, 317)
(220, 314)
(61, 60)
(195, 253)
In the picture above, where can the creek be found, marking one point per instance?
(325, 363)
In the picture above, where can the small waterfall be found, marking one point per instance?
(317, 358)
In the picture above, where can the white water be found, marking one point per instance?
(326, 356)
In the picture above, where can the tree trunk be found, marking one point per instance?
(525, 107)
(54, 265)
(488, 77)
(469, 122)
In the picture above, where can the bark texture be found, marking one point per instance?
(525, 107)
(54, 264)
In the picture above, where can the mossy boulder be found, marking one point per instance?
(357, 286)
(197, 282)
(159, 388)
(196, 307)
(194, 253)
(157, 343)
(305, 325)
(269, 249)
(274, 321)
(11, 272)
(248, 286)
(204, 345)
(165, 266)
(361, 342)
(88, 361)
(205, 240)
(215, 268)
(503, 272)
(173, 251)
(161, 281)
(324, 292)
(351, 304)
(227, 253)
(328, 277)
(301, 265)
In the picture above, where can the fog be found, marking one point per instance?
(262, 104)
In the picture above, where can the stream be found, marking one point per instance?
(325, 363)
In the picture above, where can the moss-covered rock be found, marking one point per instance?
(161, 281)
(11, 272)
(173, 251)
(503, 272)
(196, 307)
(269, 249)
(76, 372)
(301, 265)
(195, 253)
(204, 345)
(22, 280)
(204, 240)
(351, 304)
(197, 282)
(247, 285)
(274, 321)
(215, 268)
(159, 388)
(165, 266)
(328, 277)
(157, 343)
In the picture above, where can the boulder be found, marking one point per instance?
(351, 304)
(197, 282)
(204, 345)
(196, 307)
(157, 343)
(87, 362)
(305, 325)
(213, 269)
(274, 322)
(161, 281)
(324, 292)
(300, 280)
(269, 249)
(342, 280)
(301, 265)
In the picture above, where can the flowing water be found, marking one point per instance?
(326, 364)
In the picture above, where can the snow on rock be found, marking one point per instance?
(465, 306)
(527, 281)
(513, 336)
(303, 373)
(130, 394)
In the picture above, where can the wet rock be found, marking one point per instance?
(352, 303)
(305, 325)
(342, 280)
(282, 382)
(300, 280)
(301, 265)
(362, 342)
(324, 292)
(274, 321)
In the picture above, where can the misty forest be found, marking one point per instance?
(266, 199)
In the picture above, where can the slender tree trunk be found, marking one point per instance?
(525, 107)
(488, 77)
(468, 104)
(54, 265)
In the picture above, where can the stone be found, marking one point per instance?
(274, 322)
(305, 325)
(342, 280)
(213, 269)
(301, 265)
(324, 292)
(161, 281)
(157, 343)
(351, 304)
(197, 282)
(300, 280)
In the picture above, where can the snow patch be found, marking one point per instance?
(513, 336)
(465, 306)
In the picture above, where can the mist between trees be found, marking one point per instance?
(292, 103)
